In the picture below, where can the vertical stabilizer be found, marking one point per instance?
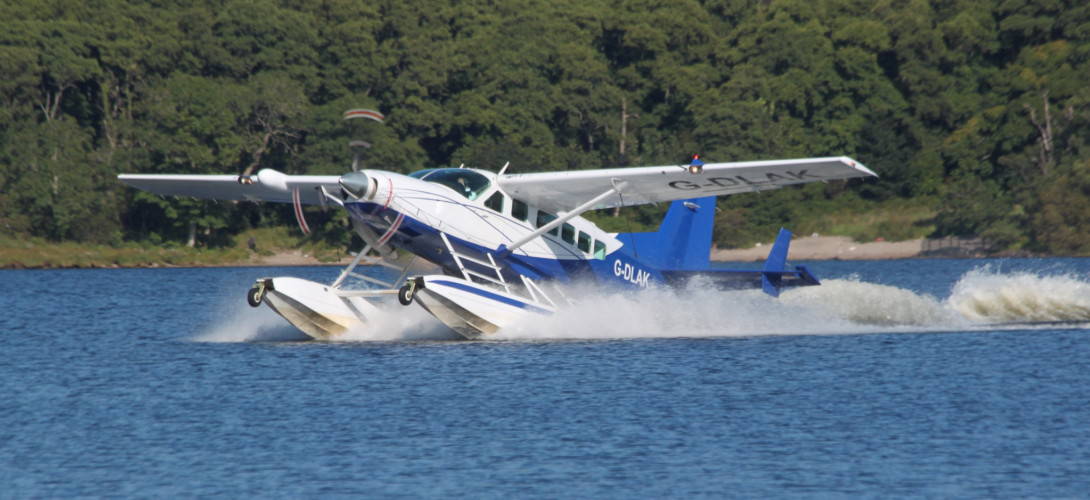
(776, 264)
(684, 238)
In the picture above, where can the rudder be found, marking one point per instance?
(776, 264)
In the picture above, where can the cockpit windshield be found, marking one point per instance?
(466, 182)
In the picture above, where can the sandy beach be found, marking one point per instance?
(826, 248)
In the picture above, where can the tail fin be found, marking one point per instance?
(776, 264)
(684, 238)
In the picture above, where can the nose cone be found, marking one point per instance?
(355, 183)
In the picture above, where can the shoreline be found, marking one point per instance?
(805, 248)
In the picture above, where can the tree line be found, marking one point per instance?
(980, 106)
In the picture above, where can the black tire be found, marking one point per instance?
(405, 295)
(254, 296)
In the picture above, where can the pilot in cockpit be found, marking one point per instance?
(468, 193)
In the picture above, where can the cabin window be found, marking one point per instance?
(583, 242)
(568, 234)
(599, 250)
(519, 210)
(495, 202)
(543, 218)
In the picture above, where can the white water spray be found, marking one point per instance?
(242, 323)
(839, 306)
(691, 312)
(983, 295)
(399, 323)
(871, 304)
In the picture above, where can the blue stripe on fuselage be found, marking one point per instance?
(618, 268)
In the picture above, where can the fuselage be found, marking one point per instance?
(479, 219)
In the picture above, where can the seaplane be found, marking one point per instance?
(505, 246)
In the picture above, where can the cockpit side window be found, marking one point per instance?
(466, 182)
(495, 202)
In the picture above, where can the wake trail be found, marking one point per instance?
(983, 295)
(980, 299)
(691, 312)
(873, 304)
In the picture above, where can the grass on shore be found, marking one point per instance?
(896, 220)
(40, 253)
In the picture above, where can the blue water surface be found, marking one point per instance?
(108, 390)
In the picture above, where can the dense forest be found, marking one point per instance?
(978, 108)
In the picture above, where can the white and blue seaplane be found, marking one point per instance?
(505, 244)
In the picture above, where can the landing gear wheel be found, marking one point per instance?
(254, 296)
(405, 294)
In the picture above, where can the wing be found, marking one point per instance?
(267, 185)
(562, 191)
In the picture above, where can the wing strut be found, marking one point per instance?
(575, 212)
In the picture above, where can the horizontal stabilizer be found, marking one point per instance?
(772, 278)
(733, 279)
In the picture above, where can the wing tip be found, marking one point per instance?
(851, 162)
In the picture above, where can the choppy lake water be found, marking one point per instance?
(935, 378)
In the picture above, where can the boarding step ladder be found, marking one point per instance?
(460, 259)
(495, 278)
